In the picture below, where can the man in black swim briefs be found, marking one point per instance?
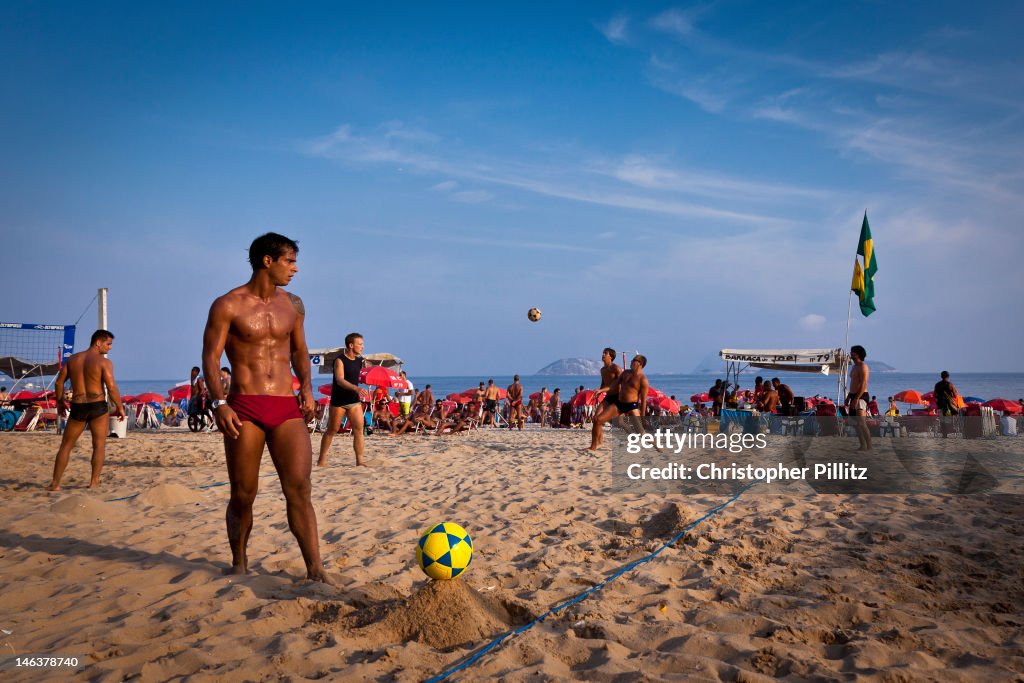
(91, 372)
(609, 384)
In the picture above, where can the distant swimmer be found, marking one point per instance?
(516, 413)
(90, 373)
(857, 398)
(609, 384)
(260, 327)
(345, 398)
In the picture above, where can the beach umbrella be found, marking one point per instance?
(130, 399)
(910, 396)
(149, 397)
(654, 393)
(535, 395)
(323, 401)
(23, 395)
(378, 376)
(1004, 405)
(587, 397)
(700, 398)
(325, 389)
(973, 399)
(179, 391)
(459, 398)
(667, 404)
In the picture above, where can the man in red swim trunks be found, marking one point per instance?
(260, 326)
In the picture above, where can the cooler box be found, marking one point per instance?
(118, 427)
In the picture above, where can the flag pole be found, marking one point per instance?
(845, 349)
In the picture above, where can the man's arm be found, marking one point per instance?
(215, 337)
(300, 357)
(107, 375)
(644, 386)
(62, 377)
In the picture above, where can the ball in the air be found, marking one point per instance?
(444, 551)
(533, 314)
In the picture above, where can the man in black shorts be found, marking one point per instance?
(90, 371)
(610, 384)
(345, 398)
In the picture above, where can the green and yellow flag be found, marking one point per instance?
(864, 274)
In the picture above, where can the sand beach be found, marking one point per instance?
(796, 585)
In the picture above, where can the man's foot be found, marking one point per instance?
(319, 575)
(94, 484)
(236, 570)
(322, 462)
(53, 487)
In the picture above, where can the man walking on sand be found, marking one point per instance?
(260, 327)
(91, 372)
(345, 401)
(857, 398)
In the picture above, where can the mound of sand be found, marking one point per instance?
(443, 615)
(84, 506)
(164, 495)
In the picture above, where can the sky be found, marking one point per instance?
(664, 178)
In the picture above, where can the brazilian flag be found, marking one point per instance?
(864, 273)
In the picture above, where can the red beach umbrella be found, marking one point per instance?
(536, 395)
(459, 398)
(667, 404)
(700, 398)
(1004, 405)
(24, 395)
(910, 396)
(130, 399)
(149, 397)
(654, 393)
(587, 397)
(325, 389)
(323, 401)
(179, 391)
(379, 376)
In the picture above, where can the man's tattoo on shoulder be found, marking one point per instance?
(297, 304)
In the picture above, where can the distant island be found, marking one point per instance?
(572, 366)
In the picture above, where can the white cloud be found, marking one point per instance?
(812, 322)
(446, 186)
(615, 29)
(472, 196)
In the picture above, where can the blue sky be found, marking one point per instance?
(664, 178)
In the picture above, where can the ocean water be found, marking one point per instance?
(881, 384)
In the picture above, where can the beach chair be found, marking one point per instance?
(891, 426)
(28, 420)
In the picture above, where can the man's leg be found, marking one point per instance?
(72, 431)
(100, 427)
(292, 454)
(243, 460)
(607, 412)
(356, 421)
(333, 425)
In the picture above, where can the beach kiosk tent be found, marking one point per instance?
(824, 361)
(324, 359)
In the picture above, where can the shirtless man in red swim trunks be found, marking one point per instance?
(514, 394)
(260, 326)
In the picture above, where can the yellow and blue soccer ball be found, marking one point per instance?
(444, 551)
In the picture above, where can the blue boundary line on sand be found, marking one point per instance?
(204, 486)
(473, 657)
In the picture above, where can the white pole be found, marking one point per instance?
(101, 307)
(845, 351)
